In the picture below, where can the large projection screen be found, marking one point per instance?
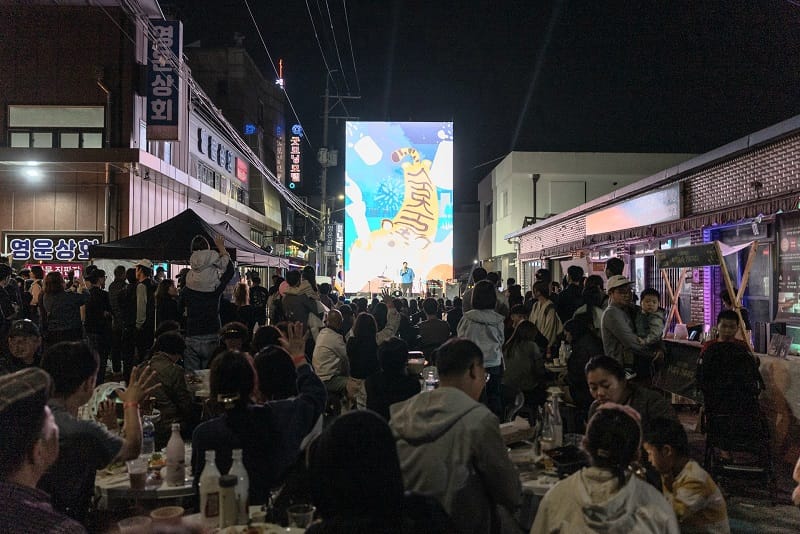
(399, 204)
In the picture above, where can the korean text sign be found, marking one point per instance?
(163, 81)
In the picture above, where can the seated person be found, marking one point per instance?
(607, 496)
(271, 434)
(433, 331)
(24, 344)
(233, 336)
(392, 383)
(357, 486)
(277, 375)
(25, 455)
(696, 499)
(173, 399)
(585, 345)
(85, 445)
(727, 372)
(265, 336)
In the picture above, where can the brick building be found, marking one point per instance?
(746, 190)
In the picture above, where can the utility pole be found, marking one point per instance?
(328, 158)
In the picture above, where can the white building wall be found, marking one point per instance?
(566, 180)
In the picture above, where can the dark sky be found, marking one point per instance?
(681, 75)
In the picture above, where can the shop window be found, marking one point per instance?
(70, 140)
(20, 139)
(42, 140)
(56, 116)
(92, 140)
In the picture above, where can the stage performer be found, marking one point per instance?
(406, 279)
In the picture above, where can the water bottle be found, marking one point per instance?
(430, 380)
(547, 437)
(148, 436)
(209, 492)
(242, 486)
(176, 458)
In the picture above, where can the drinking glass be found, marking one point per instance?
(137, 472)
(300, 515)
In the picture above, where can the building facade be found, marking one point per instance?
(78, 156)
(530, 186)
(742, 192)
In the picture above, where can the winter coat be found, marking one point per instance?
(485, 329)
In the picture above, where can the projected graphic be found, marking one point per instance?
(399, 205)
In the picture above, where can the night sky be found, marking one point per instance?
(681, 76)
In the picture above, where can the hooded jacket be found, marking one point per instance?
(450, 448)
(485, 329)
(592, 501)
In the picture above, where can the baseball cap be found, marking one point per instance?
(24, 327)
(617, 281)
(147, 264)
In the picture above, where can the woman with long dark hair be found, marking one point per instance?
(362, 347)
(166, 301)
(61, 309)
(607, 496)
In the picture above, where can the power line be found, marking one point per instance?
(336, 46)
(204, 104)
(319, 43)
(277, 74)
(350, 40)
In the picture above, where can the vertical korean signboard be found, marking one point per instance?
(789, 269)
(163, 81)
(399, 203)
(295, 156)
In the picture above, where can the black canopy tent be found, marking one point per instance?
(171, 241)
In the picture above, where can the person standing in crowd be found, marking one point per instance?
(585, 344)
(484, 326)
(571, 298)
(454, 315)
(145, 308)
(618, 332)
(97, 320)
(116, 296)
(166, 302)
(24, 347)
(128, 301)
(524, 363)
(607, 496)
(36, 289)
(502, 302)
(727, 304)
(85, 445)
(450, 446)
(202, 314)
(61, 310)
(244, 311)
(258, 299)
(7, 310)
(614, 267)
(406, 280)
(26, 454)
(478, 274)
(544, 317)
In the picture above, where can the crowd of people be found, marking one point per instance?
(316, 391)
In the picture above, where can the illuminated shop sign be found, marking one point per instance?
(38, 247)
(295, 156)
(242, 169)
(163, 81)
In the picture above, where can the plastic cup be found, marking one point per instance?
(134, 525)
(300, 515)
(137, 473)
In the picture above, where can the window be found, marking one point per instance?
(56, 126)
(487, 214)
(505, 203)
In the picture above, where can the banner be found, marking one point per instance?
(399, 203)
(789, 269)
(163, 81)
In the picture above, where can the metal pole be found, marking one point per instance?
(322, 264)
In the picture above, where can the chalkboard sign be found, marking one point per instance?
(693, 256)
(678, 374)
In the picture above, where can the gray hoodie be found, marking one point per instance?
(450, 448)
(485, 329)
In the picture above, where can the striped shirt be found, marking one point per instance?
(28, 510)
(697, 501)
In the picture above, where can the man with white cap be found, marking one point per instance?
(619, 335)
(28, 446)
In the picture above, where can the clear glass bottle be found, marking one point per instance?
(176, 458)
(547, 436)
(555, 418)
(209, 492)
(242, 486)
(148, 436)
